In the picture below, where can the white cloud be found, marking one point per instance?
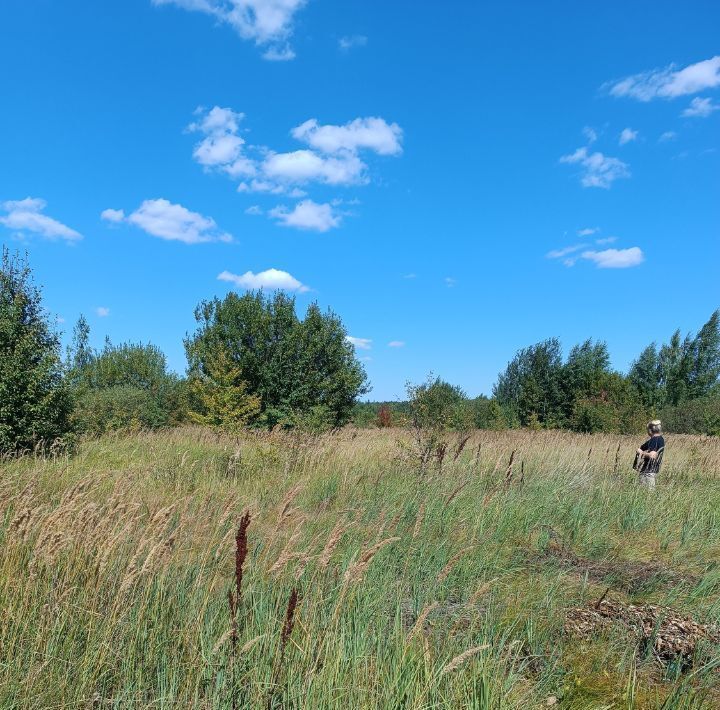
(102, 311)
(303, 166)
(265, 22)
(588, 231)
(254, 210)
(396, 344)
(615, 258)
(450, 281)
(369, 133)
(359, 343)
(627, 135)
(110, 215)
(163, 219)
(283, 53)
(668, 136)
(410, 276)
(351, 42)
(560, 253)
(670, 82)
(333, 159)
(307, 215)
(27, 215)
(606, 240)
(590, 133)
(271, 279)
(700, 108)
(599, 170)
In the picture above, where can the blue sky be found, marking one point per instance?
(456, 180)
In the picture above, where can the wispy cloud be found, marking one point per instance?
(615, 258)
(565, 251)
(599, 170)
(271, 279)
(267, 23)
(606, 240)
(352, 42)
(700, 108)
(588, 231)
(359, 343)
(396, 344)
(161, 218)
(669, 82)
(307, 215)
(450, 282)
(627, 135)
(27, 216)
(667, 136)
(102, 312)
(590, 133)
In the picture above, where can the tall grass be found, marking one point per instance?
(353, 581)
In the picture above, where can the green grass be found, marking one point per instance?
(111, 599)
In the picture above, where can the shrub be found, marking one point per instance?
(98, 411)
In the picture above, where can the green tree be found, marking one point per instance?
(531, 386)
(34, 400)
(645, 374)
(294, 366)
(222, 396)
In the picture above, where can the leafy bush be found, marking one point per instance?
(699, 416)
(98, 411)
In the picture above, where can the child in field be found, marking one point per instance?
(649, 456)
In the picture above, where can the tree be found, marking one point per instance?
(34, 401)
(584, 373)
(294, 366)
(645, 374)
(530, 388)
(705, 368)
(222, 394)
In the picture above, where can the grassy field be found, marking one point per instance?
(366, 585)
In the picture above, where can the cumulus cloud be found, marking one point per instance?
(700, 108)
(396, 344)
(268, 23)
(271, 279)
(307, 215)
(302, 166)
(161, 218)
(359, 343)
(222, 147)
(599, 170)
(102, 311)
(670, 82)
(351, 42)
(615, 258)
(111, 215)
(363, 133)
(27, 216)
(627, 135)
(332, 157)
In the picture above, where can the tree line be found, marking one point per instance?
(253, 361)
(678, 382)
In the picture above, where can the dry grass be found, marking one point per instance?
(117, 565)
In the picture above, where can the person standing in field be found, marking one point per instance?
(648, 457)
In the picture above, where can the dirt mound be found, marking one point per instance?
(668, 634)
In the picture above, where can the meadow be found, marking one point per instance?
(186, 569)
